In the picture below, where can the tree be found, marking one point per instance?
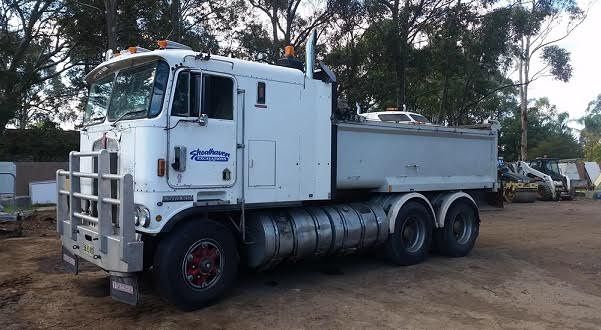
(534, 22)
(408, 18)
(34, 55)
(548, 129)
(455, 74)
(590, 135)
(290, 21)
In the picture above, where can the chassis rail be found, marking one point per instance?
(106, 241)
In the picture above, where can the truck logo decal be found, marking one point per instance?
(210, 155)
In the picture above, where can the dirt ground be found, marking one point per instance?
(534, 266)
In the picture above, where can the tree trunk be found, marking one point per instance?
(110, 15)
(176, 21)
(396, 50)
(404, 53)
(524, 81)
(274, 31)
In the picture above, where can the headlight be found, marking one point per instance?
(142, 217)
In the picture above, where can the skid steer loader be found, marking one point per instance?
(552, 184)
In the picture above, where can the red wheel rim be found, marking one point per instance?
(202, 264)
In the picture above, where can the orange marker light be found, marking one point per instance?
(161, 167)
(132, 50)
(162, 44)
(289, 51)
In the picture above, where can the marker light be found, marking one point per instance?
(289, 51)
(132, 50)
(162, 44)
(168, 44)
(161, 167)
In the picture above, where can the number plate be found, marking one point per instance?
(88, 249)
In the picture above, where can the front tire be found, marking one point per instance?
(410, 242)
(195, 264)
(545, 191)
(460, 231)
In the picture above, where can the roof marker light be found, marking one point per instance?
(168, 44)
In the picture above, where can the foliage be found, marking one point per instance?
(590, 136)
(447, 59)
(44, 142)
(32, 59)
(548, 131)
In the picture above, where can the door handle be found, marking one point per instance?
(203, 119)
(179, 159)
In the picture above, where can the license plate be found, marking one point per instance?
(88, 249)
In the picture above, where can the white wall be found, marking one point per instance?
(42, 192)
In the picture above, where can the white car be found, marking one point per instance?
(402, 117)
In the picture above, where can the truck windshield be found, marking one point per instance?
(137, 90)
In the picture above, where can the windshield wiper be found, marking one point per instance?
(127, 114)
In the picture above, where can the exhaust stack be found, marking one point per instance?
(310, 55)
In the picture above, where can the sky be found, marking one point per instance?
(584, 45)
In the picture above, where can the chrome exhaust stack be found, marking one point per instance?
(310, 55)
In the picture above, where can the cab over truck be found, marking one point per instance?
(192, 164)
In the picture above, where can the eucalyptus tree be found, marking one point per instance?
(538, 26)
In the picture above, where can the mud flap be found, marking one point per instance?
(70, 261)
(125, 288)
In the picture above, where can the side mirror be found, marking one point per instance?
(203, 119)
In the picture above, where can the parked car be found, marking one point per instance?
(402, 117)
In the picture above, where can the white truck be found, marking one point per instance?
(191, 164)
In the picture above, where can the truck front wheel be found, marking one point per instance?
(461, 228)
(410, 241)
(195, 264)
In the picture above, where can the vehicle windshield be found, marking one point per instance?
(553, 166)
(137, 91)
(98, 100)
(420, 118)
(395, 117)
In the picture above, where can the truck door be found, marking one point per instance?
(202, 131)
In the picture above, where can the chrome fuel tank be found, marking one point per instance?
(304, 232)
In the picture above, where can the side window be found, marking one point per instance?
(218, 97)
(195, 82)
(260, 92)
(181, 96)
(186, 99)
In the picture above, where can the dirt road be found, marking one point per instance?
(534, 266)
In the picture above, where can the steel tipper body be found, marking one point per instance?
(192, 163)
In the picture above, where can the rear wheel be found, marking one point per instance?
(195, 264)
(410, 242)
(460, 231)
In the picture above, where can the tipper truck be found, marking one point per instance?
(192, 165)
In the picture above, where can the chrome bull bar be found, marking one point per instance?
(109, 243)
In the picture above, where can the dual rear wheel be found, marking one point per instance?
(413, 234)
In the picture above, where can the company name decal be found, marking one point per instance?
(210, 155)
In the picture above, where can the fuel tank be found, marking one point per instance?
(297, 233)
